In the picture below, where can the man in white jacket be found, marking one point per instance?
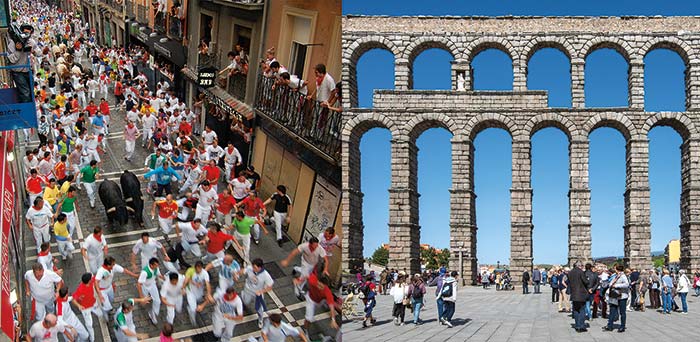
(399, 292)
(683, 288)
(448, 293)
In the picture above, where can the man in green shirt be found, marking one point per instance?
(243, 224)
(90, 173)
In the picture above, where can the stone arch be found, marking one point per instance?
(542, 42)
(620, 122)
(484, 43)
(357, 48)
(357, 126)
(678, 121)
(602, 42)
(483, 121)
(552, 120)
(682, 48)
(423, 43)
(419, 123)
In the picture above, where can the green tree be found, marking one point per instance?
(659, 261)
(380, 256)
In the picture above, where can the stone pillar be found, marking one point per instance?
(521, 210)
(351, 204)
(579, 203)
(519, 75)
(460, 67)
(635, 76)
(637, 208)
(404, 231)
(690, 205)
(403, 78)
(463, 213)
(692, 85)
(578, 95)
(349, 73)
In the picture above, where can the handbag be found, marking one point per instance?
(406, 302)
(614, 293)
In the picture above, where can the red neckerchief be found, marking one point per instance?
(226, 297)
(319, 80)
(44, 253)
(98, 238)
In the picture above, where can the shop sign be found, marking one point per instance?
(142, 36)
(163, 50)
(7, 211)
(206, 77)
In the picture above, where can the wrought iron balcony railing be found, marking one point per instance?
(317, 125)
(159, 23)
(129, 8)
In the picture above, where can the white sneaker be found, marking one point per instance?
(396, 321)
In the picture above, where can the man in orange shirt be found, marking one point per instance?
(59, 170)
(167, 211)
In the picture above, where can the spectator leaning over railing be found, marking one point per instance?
(324, 87)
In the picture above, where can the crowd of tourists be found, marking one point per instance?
(203, 192)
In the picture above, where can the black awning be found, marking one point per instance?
(142, 34)
(172, 50)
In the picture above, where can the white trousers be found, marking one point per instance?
(90, 188)
(152, 290)
(83, 334)
(222, 327)
(107, 299)
(193, 297)
(65, 247)
(244, 240)
(170, 311)
(41, 235)
(166, 224)
(87, 317)
(129, 147)
(41, 308)
(202, 213)
(279, 221)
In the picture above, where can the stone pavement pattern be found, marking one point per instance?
(490, 315)
(121, 240)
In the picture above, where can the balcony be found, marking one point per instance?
(317, 126)
(175, 27)
(249, 5)
(142, 14)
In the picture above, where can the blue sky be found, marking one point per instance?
(606, 86)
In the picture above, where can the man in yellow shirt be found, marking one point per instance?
(52, 193)
(65, 242)
(146, 107)
(61, 100)
(66, 185)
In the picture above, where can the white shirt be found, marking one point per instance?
(240, 189)
(208, 137)
(39, 333)
(309, 257)
(206, 198)
(39, 218)
(255, 283)
(214, 152)
(132, 115)
(104, 277)
(323, 91)
(328, 245)
(279, 334)
(296, 83)
(230, 307)
(149, 121)
(148, 250)
(93, 247)
(232, 157)
(198, 281)
(169, 290)
(43, 289)
(188, 232)
(195, 173)
(46, 261)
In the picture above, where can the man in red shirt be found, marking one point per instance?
(319, 291)
(216, 241)
(119, 91)
(84, 298)
(59, 170)
(167, 211)
(91, 108)
(104, 109)
(212, 174)
(254, 208)
(224, 205)
(34, 185)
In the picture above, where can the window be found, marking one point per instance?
(298, 58)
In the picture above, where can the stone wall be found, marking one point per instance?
(522, 112)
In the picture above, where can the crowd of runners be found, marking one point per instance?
(203, 192)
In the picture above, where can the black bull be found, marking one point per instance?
(131, 187)
(111, 198)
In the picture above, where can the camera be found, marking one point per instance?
(18, 35)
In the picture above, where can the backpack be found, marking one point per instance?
(416, 293)
(446, 290)
(364, 289)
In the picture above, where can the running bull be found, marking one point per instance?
(112, 200)
(131, 186)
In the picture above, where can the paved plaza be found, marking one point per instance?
(490, 315)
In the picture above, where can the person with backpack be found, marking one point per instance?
(554, 284)
(417, 291)
(400, 294)
(369, 293)
(437, 282)
(448, 295)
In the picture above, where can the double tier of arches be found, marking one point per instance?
(404, 228)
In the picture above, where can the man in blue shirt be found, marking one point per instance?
(163, 176)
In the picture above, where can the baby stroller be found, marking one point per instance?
(349, 306)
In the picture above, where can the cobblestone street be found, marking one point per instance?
(121, 240)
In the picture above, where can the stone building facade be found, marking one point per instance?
(406, 113)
